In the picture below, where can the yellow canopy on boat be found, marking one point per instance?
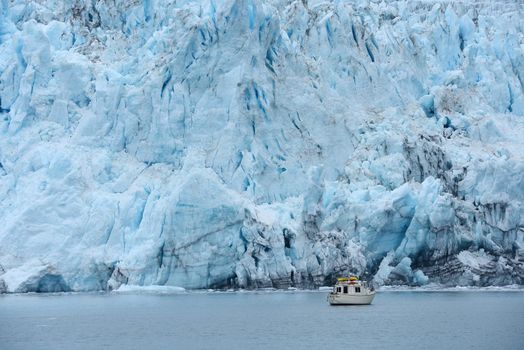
(345, 279)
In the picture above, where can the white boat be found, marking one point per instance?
(351, 291)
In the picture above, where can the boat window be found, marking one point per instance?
(338, 289)
(357, 289)
(346, 289)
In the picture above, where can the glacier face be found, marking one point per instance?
(260, 143)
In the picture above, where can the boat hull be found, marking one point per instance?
(350, 299)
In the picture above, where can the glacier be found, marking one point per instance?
(255, 144)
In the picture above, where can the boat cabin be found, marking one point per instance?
(350, 285)
(346, 289)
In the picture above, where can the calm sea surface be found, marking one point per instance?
(262, 320)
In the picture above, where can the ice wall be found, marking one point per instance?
(260, 143)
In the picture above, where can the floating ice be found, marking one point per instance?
(152, 289)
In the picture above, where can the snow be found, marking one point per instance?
(260, 144)
(474, 259)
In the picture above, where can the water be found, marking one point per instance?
(276, 320)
